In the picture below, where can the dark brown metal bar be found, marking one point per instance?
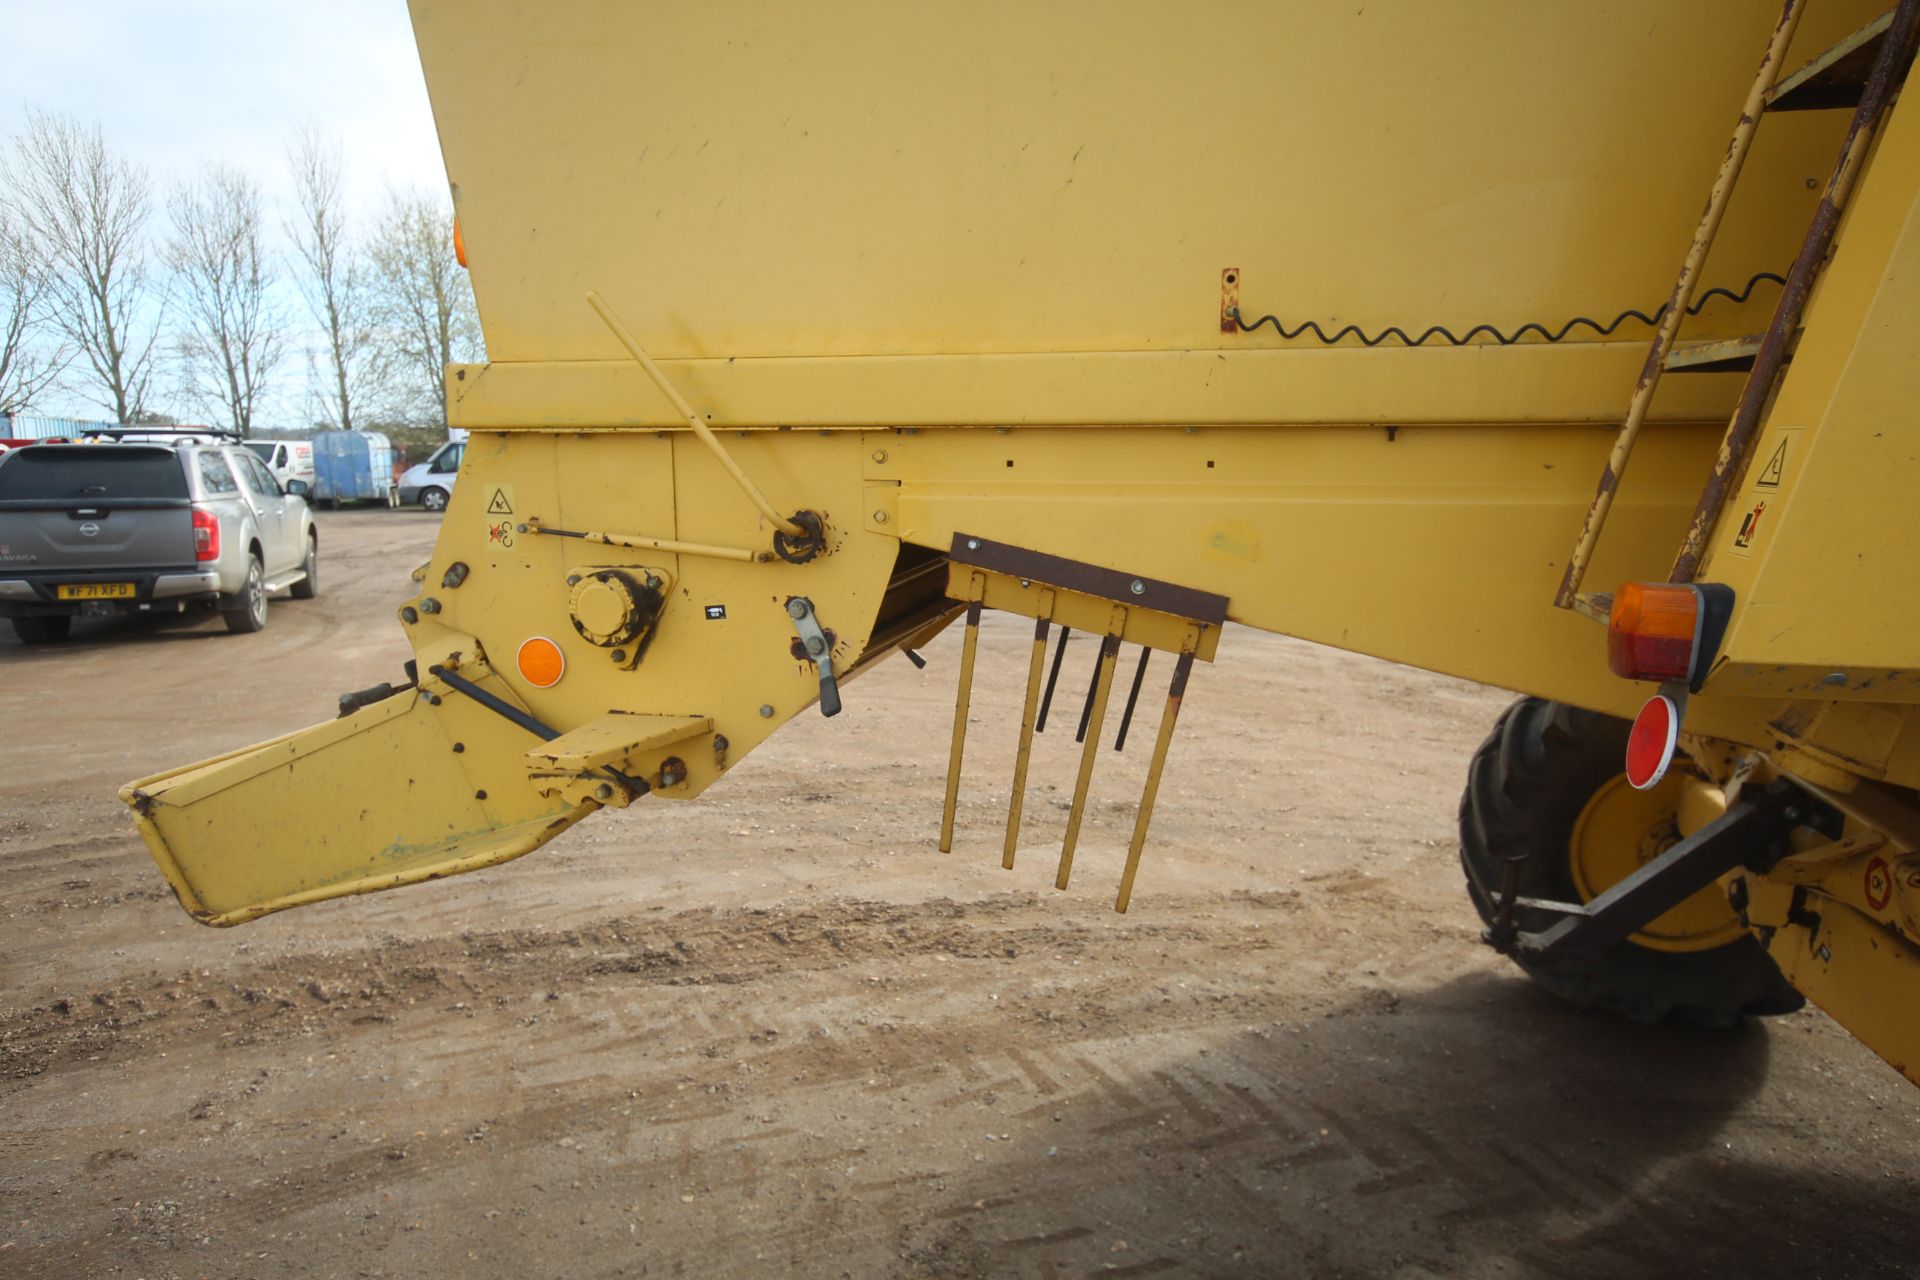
(1133, 696)
(1093, 687)
(1089, 579)
(1053, 678)
(1895, 54)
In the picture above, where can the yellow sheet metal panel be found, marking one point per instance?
(1430, 546)
(867, 177)
(1819, 540)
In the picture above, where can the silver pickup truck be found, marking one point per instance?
(108, 528)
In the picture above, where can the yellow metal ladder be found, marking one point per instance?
(1864, 72)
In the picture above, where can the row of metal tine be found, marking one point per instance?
(1033, 719)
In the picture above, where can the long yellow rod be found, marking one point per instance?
(1703, 235)
(639, 543)
(1103, 685)
(961, 702)
(700, 428)
(1176, 691)
(1035, 668)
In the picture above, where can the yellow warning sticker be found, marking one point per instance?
(500, 517)
(1776, 469)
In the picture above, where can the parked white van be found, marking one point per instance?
(287, 459)
(430, 483)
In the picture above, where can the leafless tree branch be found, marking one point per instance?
(232, 338)
(423, 301)
(334, 282)
(87, 208)
(31, 358)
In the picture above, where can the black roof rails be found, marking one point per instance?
(225, 433)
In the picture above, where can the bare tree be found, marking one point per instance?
(87, 208)
(232, 338)
(424, 302)
(29, 361)
(334, 282)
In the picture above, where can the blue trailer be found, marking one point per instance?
(353, 466)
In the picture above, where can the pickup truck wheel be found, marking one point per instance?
(433, 499)
(248, 611)
(45, 630)
(1547, 788)
(309, 587)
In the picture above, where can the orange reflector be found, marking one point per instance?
(1652, 629)
(459, 243)
(1651, 742)
(541, 662)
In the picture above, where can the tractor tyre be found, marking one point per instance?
(1547, 787)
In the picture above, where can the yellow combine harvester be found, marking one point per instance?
(814, 329)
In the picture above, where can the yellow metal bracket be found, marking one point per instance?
(573, 766)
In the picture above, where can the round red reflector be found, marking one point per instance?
(1650, 744)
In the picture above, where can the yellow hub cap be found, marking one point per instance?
(1621, 830)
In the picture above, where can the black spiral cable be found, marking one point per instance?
(1499, 338)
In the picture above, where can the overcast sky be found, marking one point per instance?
(180, 83)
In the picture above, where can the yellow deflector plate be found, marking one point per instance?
(385, 797)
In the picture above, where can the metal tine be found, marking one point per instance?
(975, 589)
(1176, 690)
(1093, 683)
(1097, 713)
(1025, 753)
(1059, 652)
(1133, 696)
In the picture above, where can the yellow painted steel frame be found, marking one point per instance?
(921, 279)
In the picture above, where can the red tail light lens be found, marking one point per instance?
(1651, 631)
(206, 534)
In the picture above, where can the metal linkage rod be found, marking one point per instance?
(638, 543)
(700, 428)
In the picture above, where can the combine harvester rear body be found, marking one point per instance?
(813, 330)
